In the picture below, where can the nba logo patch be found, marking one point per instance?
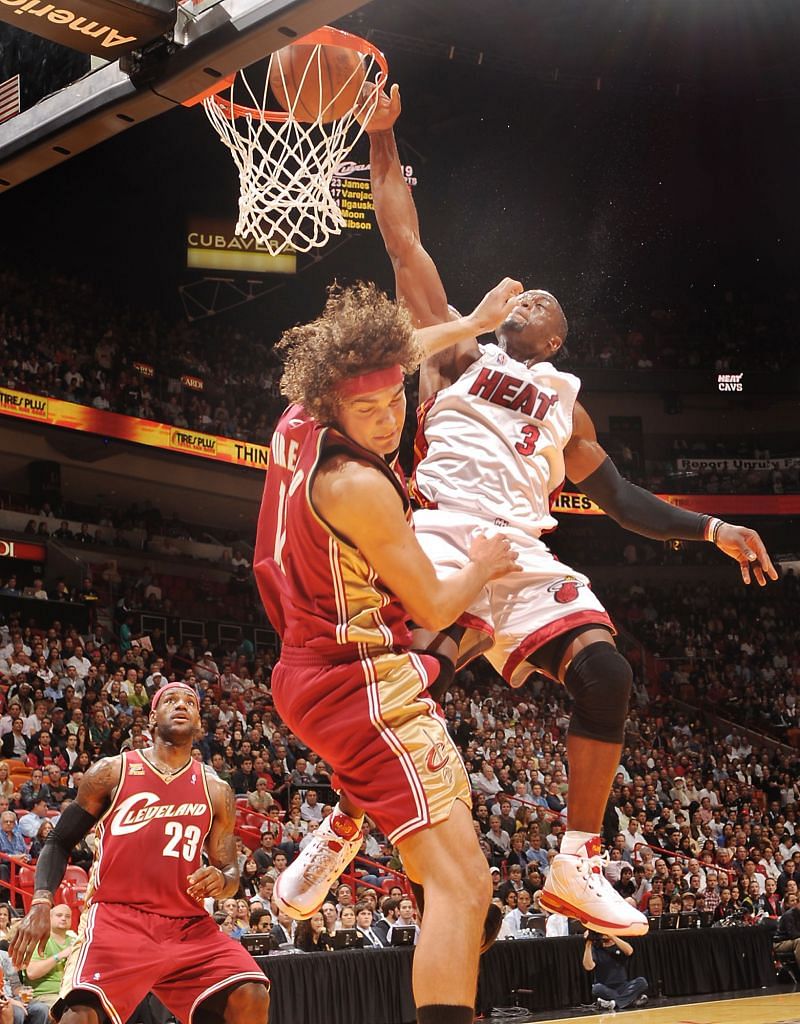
(566, 590)
(135, 769)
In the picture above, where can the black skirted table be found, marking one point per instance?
(373, 986)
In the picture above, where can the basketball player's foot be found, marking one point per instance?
(577, 887)
(303, 887)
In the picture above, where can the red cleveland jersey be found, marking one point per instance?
(318, 590)
(150, 839)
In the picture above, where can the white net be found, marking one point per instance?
(286, 164)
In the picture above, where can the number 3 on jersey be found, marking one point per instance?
(530, 435)
(190, 836)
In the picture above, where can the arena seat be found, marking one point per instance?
(25, 876)
(76, 876)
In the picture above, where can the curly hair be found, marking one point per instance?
(360, 330)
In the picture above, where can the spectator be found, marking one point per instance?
(30, 823)
(44, 831)
(34, 790)
(284, 929)
(15, 743)
(311, 936)
(12, 842)
(260, 799)
(605, 955)
(787, 933)
(310, 809)
(364, 919)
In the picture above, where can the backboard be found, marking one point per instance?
(212, 39)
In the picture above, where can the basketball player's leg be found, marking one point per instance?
(549, 619)
(246, 1004)
(598, 678)
(447, 861)
(594, 740)
(85, 1010)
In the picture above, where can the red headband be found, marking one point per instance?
(373, 381)
(169, 686)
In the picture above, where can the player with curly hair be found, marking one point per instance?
(339, 571)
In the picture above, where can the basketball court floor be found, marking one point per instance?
(776, 1008)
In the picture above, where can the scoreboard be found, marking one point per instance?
(351, 189)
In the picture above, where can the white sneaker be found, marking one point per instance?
(607, 1005)
(303, 887)
(577, 887)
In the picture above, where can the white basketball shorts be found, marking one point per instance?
(521, 611)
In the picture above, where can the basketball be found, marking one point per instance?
(333, 79)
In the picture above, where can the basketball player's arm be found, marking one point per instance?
(93, 799)
(417, 281)
(219, 878)
(635, 509)
(359, 503)
(490, 312)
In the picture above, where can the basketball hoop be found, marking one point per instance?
(286, 158)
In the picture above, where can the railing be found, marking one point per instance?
(680, 855)
(20, 884)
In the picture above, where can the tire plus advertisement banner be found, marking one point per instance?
(55, 413)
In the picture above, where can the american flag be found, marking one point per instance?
(9, 98)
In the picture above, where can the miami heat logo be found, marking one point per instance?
(566, 590)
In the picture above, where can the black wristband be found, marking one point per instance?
(638, 510)
(72, 826)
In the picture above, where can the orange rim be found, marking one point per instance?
(325, 36)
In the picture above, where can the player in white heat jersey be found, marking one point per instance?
(490, 453)
(500, 429)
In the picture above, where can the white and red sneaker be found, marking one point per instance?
(577, 887)
(302, 888)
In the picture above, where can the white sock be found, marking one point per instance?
(573, 841)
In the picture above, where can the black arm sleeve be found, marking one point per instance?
(638, 510)
(72, 826)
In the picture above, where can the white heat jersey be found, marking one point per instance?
(493, 442)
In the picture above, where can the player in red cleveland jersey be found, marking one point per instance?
(144, 927)
(338, 567)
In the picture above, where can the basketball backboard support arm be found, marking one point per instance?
(210, 45)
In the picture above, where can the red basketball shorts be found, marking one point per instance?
(376, 724)
(122, 954)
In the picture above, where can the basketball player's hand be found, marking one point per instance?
(747, 548)
(386, 112)
(495, 306)
(494, 554)
(206, 881)
(31, 936)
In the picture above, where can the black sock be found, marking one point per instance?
(438, 1013)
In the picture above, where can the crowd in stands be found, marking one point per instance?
(733, 649)
(699, 815)
(71, 342)
(140, 526)
(727, 333)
